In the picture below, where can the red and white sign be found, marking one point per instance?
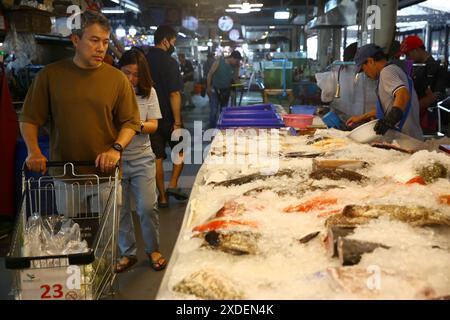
(61, 283)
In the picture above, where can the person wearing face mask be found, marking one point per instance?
(138, 163)
(165, 72)
(222, 74)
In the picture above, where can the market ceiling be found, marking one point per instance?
(210, 10)
(207, 12)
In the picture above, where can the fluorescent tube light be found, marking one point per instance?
(112, 10)
(131, 7)
(282, 15)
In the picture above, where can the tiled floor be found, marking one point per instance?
(141, 282)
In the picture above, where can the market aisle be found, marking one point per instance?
(141, 282)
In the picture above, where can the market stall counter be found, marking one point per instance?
(319, 216)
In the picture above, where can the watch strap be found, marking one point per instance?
(118, 147)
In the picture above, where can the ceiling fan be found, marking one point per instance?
(244, 7)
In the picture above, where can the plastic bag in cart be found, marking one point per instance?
(52, 235)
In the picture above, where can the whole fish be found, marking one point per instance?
(252, 177)
(414, 215)
(354, 215)
(210, 285)
(234, 242)
(347, 222)
(337, 174)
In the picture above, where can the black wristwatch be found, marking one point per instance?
(118, 147)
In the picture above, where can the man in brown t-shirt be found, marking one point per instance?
(90, 105)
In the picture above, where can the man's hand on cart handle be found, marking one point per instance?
(36, 162)
(107, 161)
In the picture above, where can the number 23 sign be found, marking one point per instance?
(62, 283)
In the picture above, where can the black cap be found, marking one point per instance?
(365, 52)
(236, 55)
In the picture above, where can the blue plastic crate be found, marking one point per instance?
(249, 115)
(256, 107)
(224, 122)
(332, 120)
(303, 109)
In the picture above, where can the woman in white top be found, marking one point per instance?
(138, 165)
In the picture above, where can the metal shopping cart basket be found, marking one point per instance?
(90, 201)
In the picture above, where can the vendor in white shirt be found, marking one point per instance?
(397, 103)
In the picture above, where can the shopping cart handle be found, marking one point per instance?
(54, 164)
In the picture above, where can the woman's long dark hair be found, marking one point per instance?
(145, 82)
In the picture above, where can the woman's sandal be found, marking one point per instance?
(125, 263)
(158, 264)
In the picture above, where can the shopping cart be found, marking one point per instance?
(90, 201)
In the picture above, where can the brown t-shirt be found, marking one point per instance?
(86, 108)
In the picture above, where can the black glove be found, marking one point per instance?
(389, 121)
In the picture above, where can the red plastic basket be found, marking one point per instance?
(300, 121)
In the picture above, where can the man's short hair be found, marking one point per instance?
(164, 32)
(236, 55)
(88, 18)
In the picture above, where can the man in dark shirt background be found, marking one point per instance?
(430, 82)
(168, 85)
(187, 72)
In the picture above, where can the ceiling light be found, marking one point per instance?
(153, 27)
(112, 10)
(131, 7)
(271, 27)
(182, 34)
(267, 45)
(132, 31)
(244, 7)
(282, 15)
(243, 11)
(120, 32)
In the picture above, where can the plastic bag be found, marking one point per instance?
(52, 235)
(32, 237)
(327, 82)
